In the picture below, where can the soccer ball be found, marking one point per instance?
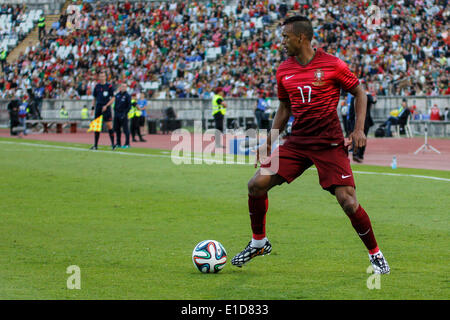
(209, 256)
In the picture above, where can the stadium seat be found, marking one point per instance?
(407, 128)
(211, 54)
(259, 23)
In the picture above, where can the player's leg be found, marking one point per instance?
(258, 186)
(258, 202)
(346, 196)
(285, 164)
(336, 176)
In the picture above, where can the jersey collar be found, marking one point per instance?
(312, 58)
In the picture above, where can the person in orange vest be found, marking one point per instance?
(435, 113)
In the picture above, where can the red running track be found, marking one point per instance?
(379, 151)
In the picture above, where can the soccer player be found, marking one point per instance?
(103, 99)
(309, 84)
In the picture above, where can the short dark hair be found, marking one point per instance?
(301, 25)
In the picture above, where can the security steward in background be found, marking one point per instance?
(41, 26)
(134, 115)
(84, 116)
(3, 55)
(103, 99)
(218, 112)
(121, 109)
(85, 113)
(63, 113)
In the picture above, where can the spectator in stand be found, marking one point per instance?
(171, 43)
(435, 113)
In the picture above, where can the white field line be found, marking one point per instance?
(188, 157)
(206, 160)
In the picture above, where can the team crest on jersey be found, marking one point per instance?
(318, 75)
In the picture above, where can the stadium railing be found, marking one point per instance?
(240, 111)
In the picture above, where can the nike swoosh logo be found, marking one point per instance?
(287, 78)
(363, 234)
(345, 177)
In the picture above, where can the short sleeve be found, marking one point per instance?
(111, 91)
(95, 91)
(346, 79)
(281, 90)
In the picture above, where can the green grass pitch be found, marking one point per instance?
(130, 221)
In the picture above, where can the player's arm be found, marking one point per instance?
(358, 136)
(280, 120)
(279, 123)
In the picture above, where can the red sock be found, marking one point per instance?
(257, 207)
(361, 223)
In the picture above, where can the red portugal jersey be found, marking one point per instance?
(313, 90)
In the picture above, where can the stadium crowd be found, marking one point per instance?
(15, 14)
(184, 49)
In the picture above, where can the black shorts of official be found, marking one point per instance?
(107, 115)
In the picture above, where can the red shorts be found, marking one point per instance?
(332, 163)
